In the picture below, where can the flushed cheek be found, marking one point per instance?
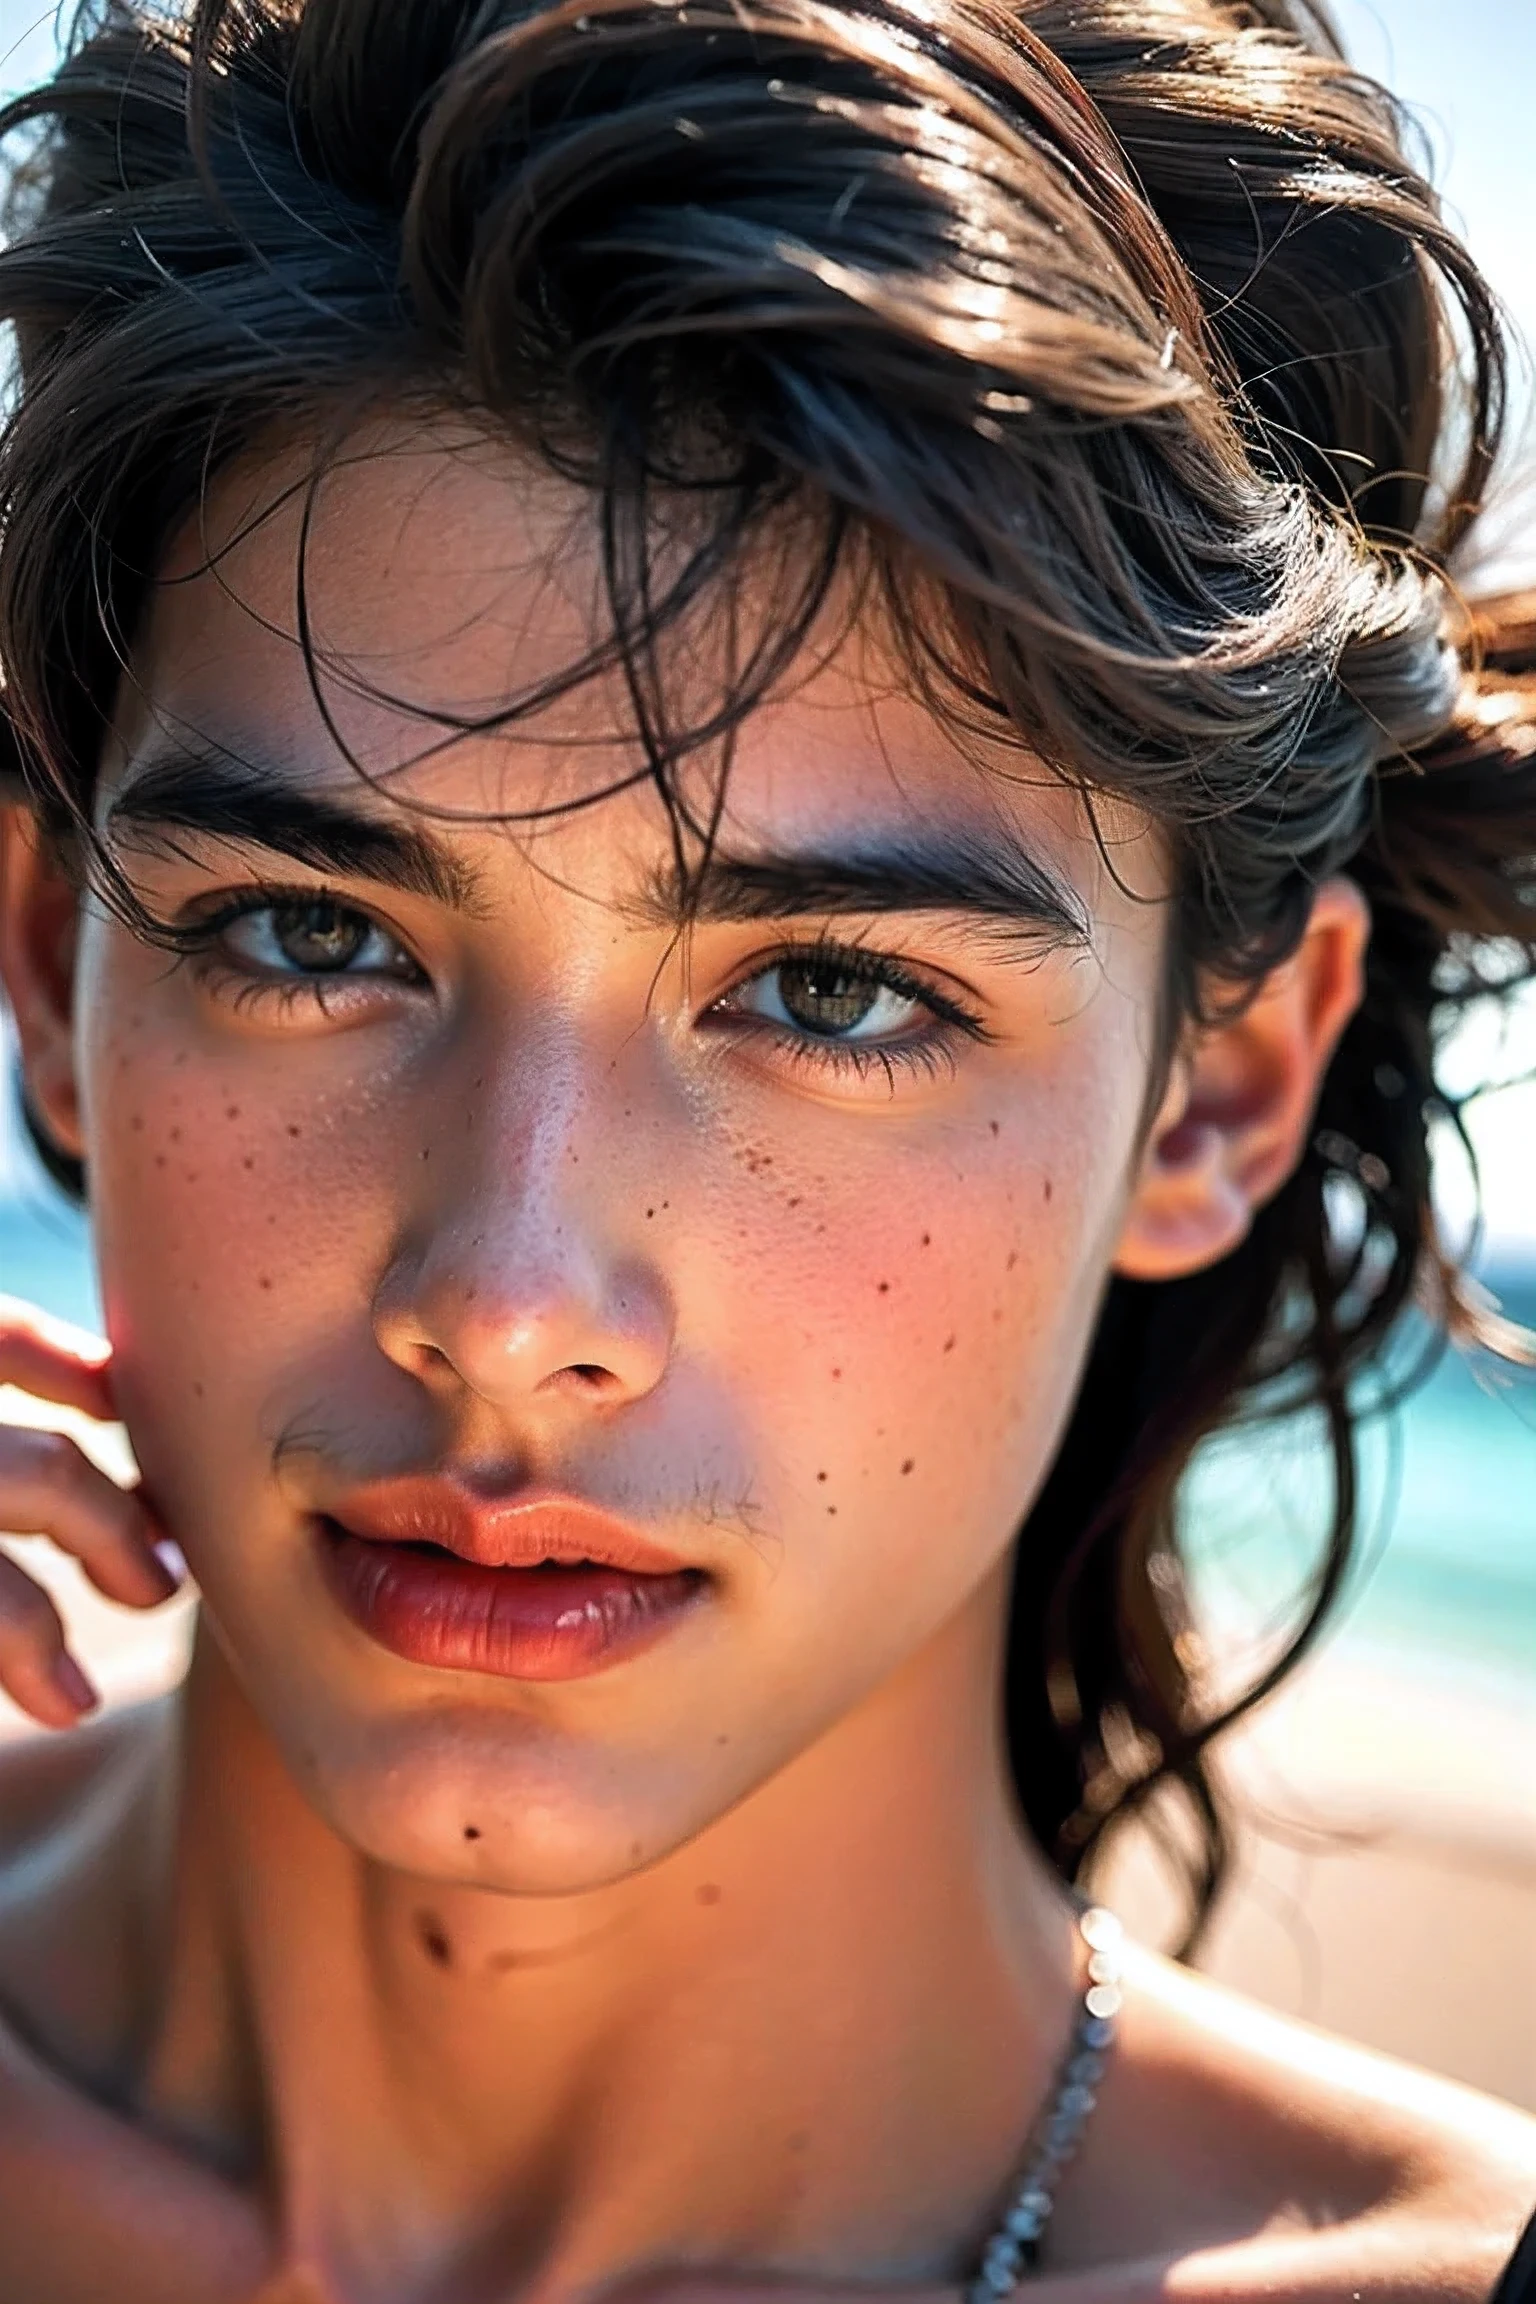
(911, 1333)
(233, 1223)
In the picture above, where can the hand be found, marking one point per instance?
(49, 1487)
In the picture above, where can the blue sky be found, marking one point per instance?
(1468, 68)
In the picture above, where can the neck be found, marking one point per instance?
(811, 2040)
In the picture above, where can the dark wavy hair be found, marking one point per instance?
(1115, 350)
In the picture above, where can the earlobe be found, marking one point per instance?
(1234, 1119)
(39, 913)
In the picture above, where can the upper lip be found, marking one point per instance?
(509, 1531)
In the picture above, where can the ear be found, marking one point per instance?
(1233, 1123)
(39, 913)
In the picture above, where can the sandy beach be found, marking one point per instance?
(1387, 1870)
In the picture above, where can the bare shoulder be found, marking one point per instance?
(72, 1877)
(1273, 2159)
(50, 1783)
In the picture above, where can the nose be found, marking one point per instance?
(516, 1282)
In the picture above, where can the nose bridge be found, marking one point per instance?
(523, 1269)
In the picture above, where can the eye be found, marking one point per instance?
(846, 1011)
(832, 998)
(312, 936)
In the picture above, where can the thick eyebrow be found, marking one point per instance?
(217, 795)
(939, 869)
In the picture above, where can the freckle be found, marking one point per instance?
(821, 1475)
(426, 1152)
(470, 1294)
(1049, 1187)
(650, 1212)
(471, 1831)
(175, 1135)
(799, 2142)
(835, 1374)
(634, 1850)
(433, 1941)
(159, 1159)
(722, 1739)
(926, 1238)
(707, 1893)
(197, 1391)
(249, 1161)
(264, 1281)
(949, 1343)
(992, 1124)
(666, 1203)
(907, 1466)
(884, 1288)
(1013, 1257)
(138, 1123)
(831, 1511)
(233, 1112)
(795, 1202)
(293, 1131)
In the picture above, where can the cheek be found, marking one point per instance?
(920, 1307)
(233, 1211)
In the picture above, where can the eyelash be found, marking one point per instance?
(195, 941)
(927, 1052)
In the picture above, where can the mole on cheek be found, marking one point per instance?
(471, 1831)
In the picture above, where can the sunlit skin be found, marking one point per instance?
(401, 1981)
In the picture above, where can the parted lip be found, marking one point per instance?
(524, 1529)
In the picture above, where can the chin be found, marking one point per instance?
(461, 1799)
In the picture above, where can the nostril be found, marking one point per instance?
(591, 1373)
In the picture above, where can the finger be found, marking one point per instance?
(36, 1669)
(49, 1487)
(54, 1361)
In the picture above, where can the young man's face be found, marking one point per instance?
(445, 1160)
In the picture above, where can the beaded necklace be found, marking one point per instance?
(1013, 2251)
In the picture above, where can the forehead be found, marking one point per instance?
(416, 604)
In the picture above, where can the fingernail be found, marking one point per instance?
(73, 1685)
(171, 1558)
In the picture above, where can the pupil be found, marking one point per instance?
(826, 999)
(320, 935)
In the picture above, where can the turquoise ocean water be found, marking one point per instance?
(1447, 1568)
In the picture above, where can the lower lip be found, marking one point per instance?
(545, 1623)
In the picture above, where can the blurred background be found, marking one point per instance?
(1387, 1863)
